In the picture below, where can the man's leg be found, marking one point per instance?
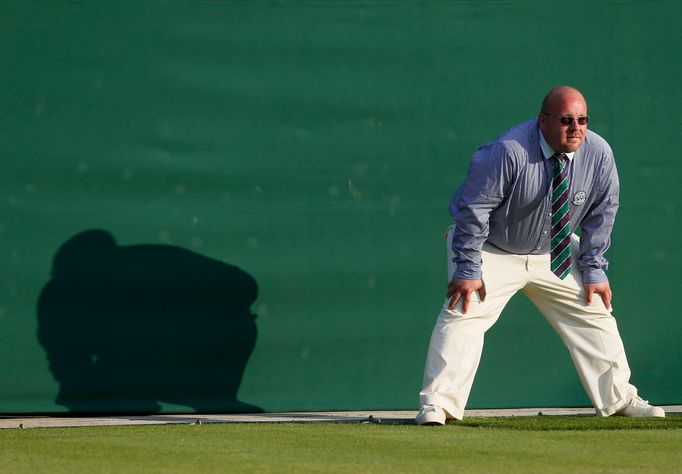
(457, 339)
(589, 332)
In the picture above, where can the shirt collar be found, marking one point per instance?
(547, 150)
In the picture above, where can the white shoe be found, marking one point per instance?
(639, 408)
(431, 415)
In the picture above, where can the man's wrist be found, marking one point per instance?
(594, 275)
(467, 272)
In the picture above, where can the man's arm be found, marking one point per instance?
(595, 237)
(482, 191)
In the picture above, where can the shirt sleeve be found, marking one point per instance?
(596, 227)
(482, 191)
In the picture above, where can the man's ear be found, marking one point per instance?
(542, 119)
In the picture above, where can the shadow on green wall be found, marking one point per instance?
(129, 327)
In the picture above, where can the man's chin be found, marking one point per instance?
(571, 146)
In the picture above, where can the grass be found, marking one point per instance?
(517, 444)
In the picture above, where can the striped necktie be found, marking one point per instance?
(561, 219)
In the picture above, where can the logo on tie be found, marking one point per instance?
(561, 219)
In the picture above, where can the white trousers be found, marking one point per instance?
(588, 331)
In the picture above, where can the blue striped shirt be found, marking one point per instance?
(505, 200)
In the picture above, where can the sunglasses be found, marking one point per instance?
(566, 120)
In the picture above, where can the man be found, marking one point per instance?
(515, 214)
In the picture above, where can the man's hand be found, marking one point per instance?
(603, 289)
(462, 289)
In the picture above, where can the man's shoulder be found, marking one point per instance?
(520, 138)
(597, 144)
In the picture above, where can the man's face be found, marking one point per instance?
(564, 138)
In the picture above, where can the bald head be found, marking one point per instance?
(558, 107)
(559, 94)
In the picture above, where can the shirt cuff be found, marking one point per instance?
(467, 272)
(594, 275)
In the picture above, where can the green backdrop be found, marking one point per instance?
(172, 170)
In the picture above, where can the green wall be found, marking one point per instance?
(169, 170)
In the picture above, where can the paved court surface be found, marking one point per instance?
(377, 416)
